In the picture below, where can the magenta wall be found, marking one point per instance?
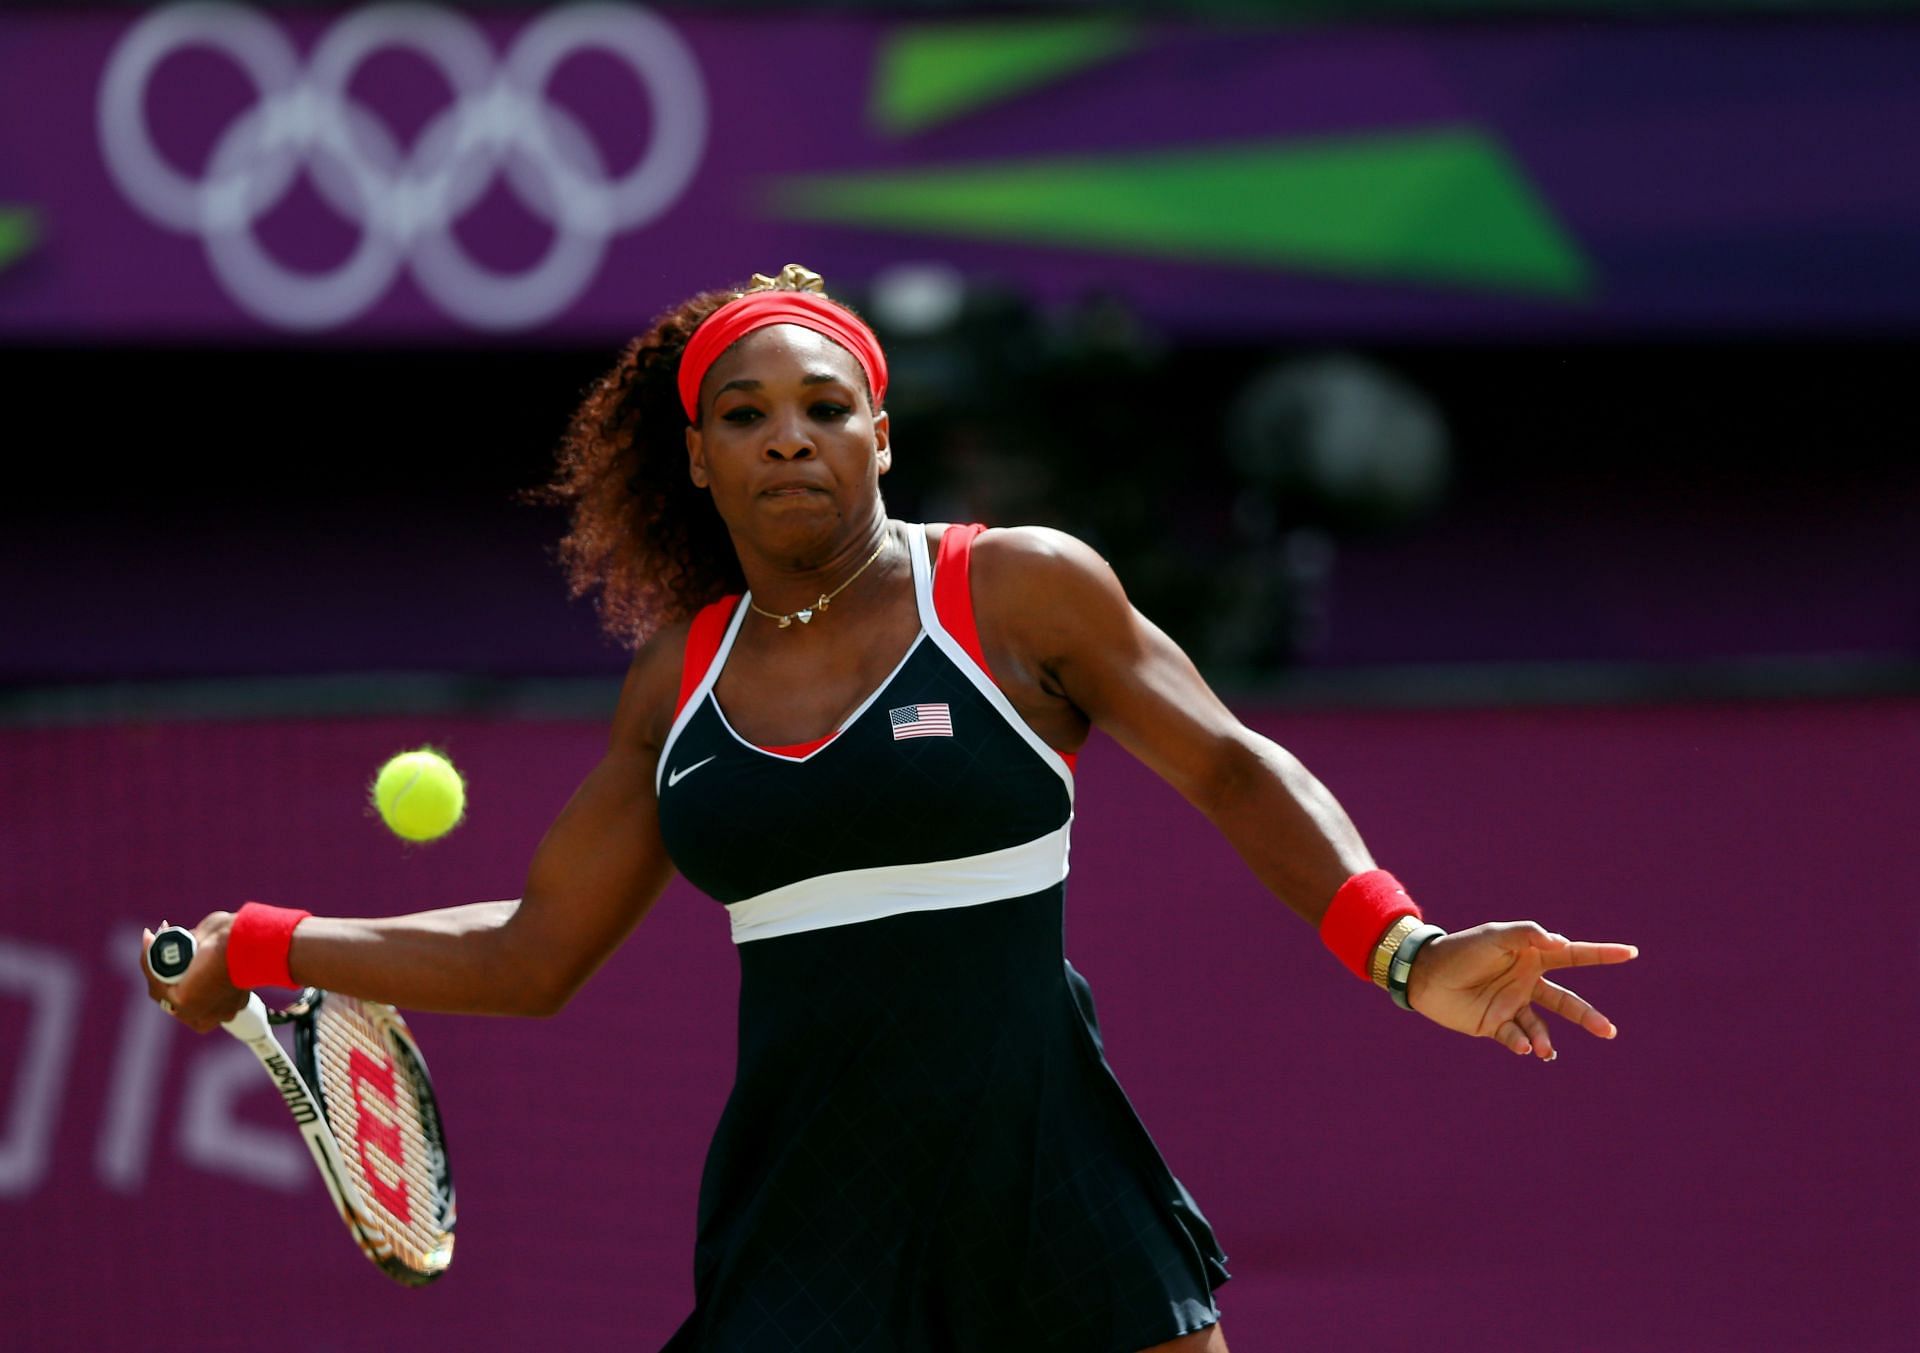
(1729, 1174)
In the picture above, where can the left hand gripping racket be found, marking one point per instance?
(358, 1090)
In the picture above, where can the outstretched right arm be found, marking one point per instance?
(601, 866)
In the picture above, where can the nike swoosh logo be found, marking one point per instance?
(675, 777)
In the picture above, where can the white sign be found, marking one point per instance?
(405, 200)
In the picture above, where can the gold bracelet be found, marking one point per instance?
(1388, 946)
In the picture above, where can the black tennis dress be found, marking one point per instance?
(924, 1150)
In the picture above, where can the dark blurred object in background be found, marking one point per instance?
(214, 512)
(1326, 446)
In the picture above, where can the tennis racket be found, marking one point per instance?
(358, 1090)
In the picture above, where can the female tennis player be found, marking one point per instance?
(859, 735)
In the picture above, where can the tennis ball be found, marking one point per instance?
(419, 795)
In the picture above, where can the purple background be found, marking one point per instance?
(1729, 1174)
(1722, 177)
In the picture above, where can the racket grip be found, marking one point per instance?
(168, 958)
(170, 953)
(251, 1024)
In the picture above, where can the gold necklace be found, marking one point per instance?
(805, 615)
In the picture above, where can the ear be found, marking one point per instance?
(696, 458)
(883, 446)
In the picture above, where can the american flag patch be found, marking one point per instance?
(920, 721)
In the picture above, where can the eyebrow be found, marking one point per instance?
(811, 378)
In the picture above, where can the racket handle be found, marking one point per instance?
(251, 1024)
(170, 953)
(168, 958)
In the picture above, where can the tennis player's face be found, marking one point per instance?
(788, 437)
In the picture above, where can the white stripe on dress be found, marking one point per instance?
(856, 895)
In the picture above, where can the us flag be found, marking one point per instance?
(920, 721)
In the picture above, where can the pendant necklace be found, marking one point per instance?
(805, 614)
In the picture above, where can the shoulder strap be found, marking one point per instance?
(953, 592)
(708, 638)
(955, 631)
(703, 643)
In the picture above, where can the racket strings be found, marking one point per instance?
(377, 1120)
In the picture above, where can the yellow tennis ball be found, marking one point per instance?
(419, 795)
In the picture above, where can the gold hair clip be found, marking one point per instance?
(793, 276)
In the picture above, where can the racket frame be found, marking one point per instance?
(404, 1053)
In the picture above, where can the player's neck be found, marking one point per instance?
(803, 590)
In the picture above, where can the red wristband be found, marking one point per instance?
(258, 943)
(1366, 905)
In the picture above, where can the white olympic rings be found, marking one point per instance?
(406, 200)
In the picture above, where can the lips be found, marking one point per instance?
(790, 488)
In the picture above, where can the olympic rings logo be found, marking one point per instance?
(405, 201)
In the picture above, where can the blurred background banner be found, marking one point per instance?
(1723, 1176)
(427, 173)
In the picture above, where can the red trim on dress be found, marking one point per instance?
(703, 643)
(802, 748)
(953, 592)
(953, 600)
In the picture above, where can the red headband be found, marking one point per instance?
(756, 310)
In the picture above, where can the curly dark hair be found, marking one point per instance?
(642, 537)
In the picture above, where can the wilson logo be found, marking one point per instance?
(376, 1129)
(292, 1091)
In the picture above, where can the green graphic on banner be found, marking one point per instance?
(930, 73)
(19, 232)
(1446, 206)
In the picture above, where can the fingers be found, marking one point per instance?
(1526, 1033)
(164, 994)
(1557, 951)
(1570, 1006)
(156, 989)
(1586, 953)
(1508, 958)
(1519, 936)
(1535, 1029)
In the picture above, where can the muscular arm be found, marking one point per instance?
(1072, 632)
(1069, 636)
(599, 869)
